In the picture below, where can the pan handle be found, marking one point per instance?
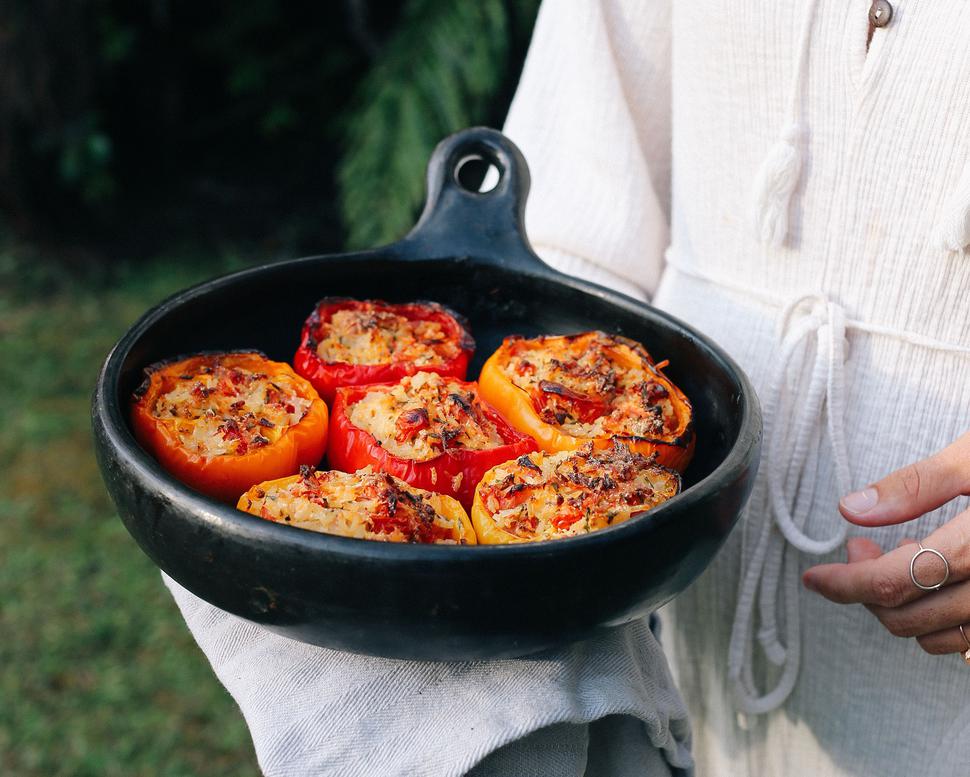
(459, 221)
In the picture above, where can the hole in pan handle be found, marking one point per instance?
(478, 182)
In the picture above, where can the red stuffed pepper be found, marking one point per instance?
(431, 431)
(348, 342)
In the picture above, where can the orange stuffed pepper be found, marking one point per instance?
(592, 387)
(221, 422)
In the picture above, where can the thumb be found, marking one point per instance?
(913, 490)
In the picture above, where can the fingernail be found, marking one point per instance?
(860, 501)
(809, 582)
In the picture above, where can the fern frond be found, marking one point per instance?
(437, 73)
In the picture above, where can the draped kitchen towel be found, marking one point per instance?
(313, 711)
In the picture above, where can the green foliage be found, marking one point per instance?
(84, 160)
(262, 118)
(98, 674)
(441, 70)
(116, 39)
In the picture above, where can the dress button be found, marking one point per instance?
(880, 12)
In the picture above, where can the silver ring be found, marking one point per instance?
(912, 569)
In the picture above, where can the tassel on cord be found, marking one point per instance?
(774, 185)
(952, 230)
(778, 175)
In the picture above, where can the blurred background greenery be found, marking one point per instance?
(145, 147)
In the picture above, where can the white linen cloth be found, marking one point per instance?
(603, 708)
(815, 195)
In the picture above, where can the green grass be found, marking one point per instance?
(98, 674)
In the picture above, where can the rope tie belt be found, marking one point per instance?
(805, 393)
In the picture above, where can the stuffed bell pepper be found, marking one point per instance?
(431, 431)
(367, 505)
(347, 342)
(591, 387)
(220, 422)
(546, 496)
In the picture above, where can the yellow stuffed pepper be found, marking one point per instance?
(542, 496)
(365, 504)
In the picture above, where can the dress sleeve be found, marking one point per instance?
(592, 116)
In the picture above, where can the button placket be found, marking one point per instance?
(879, 37)
(880, 13)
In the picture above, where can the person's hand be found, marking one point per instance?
(882, 581)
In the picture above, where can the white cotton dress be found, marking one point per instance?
(806, 202)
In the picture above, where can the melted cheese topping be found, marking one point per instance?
(379, 336)
(424, 415)
(589, 387)
(225, 411)
(549, 496)
(367, 505)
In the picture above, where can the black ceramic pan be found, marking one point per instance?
(468, 251)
